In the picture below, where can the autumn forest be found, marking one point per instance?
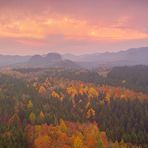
(67, 108)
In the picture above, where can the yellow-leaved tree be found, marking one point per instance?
(77, 142)
(72, 91)
(90, 113)
(41, 117)
(93, 93)
(32, 117)
(62, 126)
(54, 94)
(29, 105)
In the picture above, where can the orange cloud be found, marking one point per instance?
(42, 27)
(117, 34)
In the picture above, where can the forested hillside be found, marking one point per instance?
(42, 109)
(134, 77)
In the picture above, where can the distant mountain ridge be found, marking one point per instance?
(7, 60)
(51, 60)
(133, 56)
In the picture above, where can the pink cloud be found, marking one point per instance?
(67, 25)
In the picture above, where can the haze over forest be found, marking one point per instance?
(73, 74)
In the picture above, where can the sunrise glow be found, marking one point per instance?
(58, 25)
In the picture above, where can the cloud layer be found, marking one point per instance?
(41, 26)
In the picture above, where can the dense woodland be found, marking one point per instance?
(134, 77)
(73, 109)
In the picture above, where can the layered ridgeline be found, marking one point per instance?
(7, 60)
(135, 56)
(51, 60)
(54, 60)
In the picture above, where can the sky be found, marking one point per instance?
(72, 26)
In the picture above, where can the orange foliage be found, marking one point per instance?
(76, 135)
(42, 90)
(104, 139)
(42, 142)
(77, 88)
